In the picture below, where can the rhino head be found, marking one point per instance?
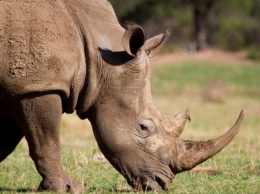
(140, 142)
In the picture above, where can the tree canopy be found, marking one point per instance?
(231, 25)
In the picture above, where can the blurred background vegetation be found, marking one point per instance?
(198, 24)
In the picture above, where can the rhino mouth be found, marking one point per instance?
(156, 183)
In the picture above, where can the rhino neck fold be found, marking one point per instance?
(92, 82)
(92, 23)
(92, 79)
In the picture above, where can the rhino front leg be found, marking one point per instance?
(10, 136)
(39, 117)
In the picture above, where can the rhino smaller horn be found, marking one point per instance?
(175, 124)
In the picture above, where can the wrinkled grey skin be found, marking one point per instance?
(72, 55)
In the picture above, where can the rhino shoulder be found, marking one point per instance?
(40, 48)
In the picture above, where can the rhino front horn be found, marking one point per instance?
(191, 153)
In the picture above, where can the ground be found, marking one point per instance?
(209, 54)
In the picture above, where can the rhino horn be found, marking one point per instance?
(192, 153)
(175, 124)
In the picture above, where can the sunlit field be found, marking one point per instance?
(213, 90)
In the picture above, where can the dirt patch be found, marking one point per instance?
(216, 91)
(203, 170)
(207, 55)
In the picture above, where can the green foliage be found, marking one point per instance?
(254, 53)
(232, 25)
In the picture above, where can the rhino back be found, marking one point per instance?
(40, 48)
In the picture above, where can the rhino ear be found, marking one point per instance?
(155, 44)
(133, 39)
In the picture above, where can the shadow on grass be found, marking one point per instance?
(21, 190)
(122, 189)
(90, 189)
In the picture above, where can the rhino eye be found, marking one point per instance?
(142, 131)
(144, 127)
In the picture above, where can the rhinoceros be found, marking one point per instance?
(61, 56)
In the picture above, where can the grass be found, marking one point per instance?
(190, 76)
(175, 87)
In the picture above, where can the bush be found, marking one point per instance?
(234, 33)
(254, 53)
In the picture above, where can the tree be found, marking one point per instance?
(256, 14)
(232, 24)
(201, 10)
(160, 10)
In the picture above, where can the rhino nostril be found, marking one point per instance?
(163, 184)
(68, 188)
(159, 181)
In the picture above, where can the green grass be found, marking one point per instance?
(190, 76)
(175, 87)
